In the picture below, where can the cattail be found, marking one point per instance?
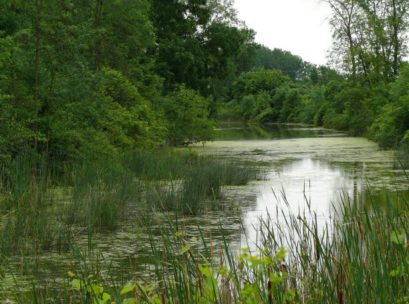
(226, 291)
(340, 295)
(270, 292)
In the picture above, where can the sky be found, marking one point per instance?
(299, 26)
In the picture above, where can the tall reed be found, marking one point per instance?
(360, 256)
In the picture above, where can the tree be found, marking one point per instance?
(370, 37)
(198, 42)
(188, 117)
(265, 96)
(255, 56)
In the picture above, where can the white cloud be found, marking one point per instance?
(299, 26)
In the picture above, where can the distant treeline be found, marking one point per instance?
(88, 79)
(366, 92)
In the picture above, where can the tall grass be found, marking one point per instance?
(360, 256)
(29, 223)
(41, 210)
(99, 195)
(402, 157)
(200, 187)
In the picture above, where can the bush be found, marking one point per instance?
(391, 125)
(187, 113)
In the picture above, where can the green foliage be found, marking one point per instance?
(199, 43)
(257, 81)
(265, 96)
(390, 127)
(112, 119)
(346, 108)
(392, 122)
(188, 116)
(86, 79)
(259, 56)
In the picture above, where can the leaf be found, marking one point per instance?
(275, 279)
(206, 271)
(127, 289)
(97, 289)
(281, 254)
(398, 238)
(398, 272)
(71, 274)
(76, 284)
(129, 301)
(186, 248)
(106, 297)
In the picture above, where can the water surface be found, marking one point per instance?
(302, 166)
(306, 168)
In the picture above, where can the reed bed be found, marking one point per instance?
(359, 255)
(43, 209)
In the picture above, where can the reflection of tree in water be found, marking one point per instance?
(239, 131)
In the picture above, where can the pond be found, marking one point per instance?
(303, 168)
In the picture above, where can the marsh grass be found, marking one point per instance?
(41, 209)
(100, 195)
(29, 223)
(402, 157)
(359, 256)
(200, 185)
(160, 165)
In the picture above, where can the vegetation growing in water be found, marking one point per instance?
(365, 247)
(42, 213)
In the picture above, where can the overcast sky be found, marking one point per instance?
(299, 26)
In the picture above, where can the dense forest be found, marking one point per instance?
(93, 78)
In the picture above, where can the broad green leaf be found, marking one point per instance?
(206, 271)
(76, 284)
(96, 289)
(127, 289)
(106, 297)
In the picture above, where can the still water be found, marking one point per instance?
(301, 166)
(306, 168)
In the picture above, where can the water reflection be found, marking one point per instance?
(301, 164)
(304, 187)
(239, 131)
(306, 167)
